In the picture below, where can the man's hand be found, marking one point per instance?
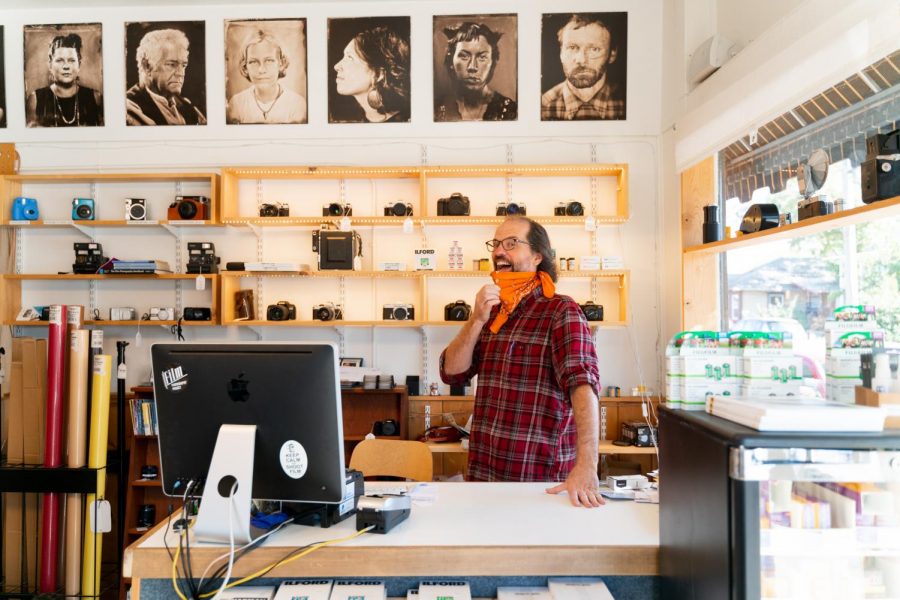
(582, 486)
(487, 298)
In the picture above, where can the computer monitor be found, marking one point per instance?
(289, 392)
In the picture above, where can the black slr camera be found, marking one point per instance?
(398, 312)
(329, 311)
(386, 427)
(274, 209)
(592, 312)
(336, 209)
(88, 258)
(456, 205)
(398, 209)
(202, 258)
(509, 209)
(880, 171)
(572, 208)
(457, 311)
(281, 311)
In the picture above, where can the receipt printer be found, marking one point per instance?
(383, 511)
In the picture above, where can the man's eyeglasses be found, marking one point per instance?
(508, 243)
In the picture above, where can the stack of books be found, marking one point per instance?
(793, 413)
(135, 267)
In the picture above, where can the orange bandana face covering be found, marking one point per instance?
(514, 287)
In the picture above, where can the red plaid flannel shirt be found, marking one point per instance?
(523, 428)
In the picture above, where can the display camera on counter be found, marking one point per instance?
(281, 311)
(274, 209)
(456, 205)
(88, 258)
(135, 209)
(572, 208)
(197, 313)
(398, 209)
(398, 312)
(83, 209)
(336, 209)
(189, 208)
(880, 172)
(202, 258)
(328, 311)
(592, 312)
(457, 311)
(25, 209)
(510, 208)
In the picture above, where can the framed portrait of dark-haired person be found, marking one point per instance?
(265, 71)
(584, 58)
(368, 66)
(475, 67)
(165, 73)
(2, 81)
(63, 68)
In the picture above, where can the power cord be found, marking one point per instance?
(177, 330)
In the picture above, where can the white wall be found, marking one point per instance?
(627, 355)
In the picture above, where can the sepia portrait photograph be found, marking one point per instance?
(475, 68)
(584, 66)
(165, 73)
(265, 71)
(368, 63)
(63, 75)
(2, 81)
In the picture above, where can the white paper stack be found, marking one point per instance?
(582, 588)
(612, 263)
(312, 589)
(276, 266)
(794, 413)
(359, 590)
(444, 590)
(248, 592)
(523, 593)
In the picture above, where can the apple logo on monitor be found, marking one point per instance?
(237, 389)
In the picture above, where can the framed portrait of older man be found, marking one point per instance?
(368, 67)
(165, 73)
(63, 68)
(265, 71)
(475, 67)
(584, 66)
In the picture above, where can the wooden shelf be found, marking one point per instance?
(147, 483)
(599, 274)
(109, 177)
(441, 398)
(852, 216)
(103, 276)
(382, 221)
(338, 323)
(359, 438)
(110, 223)
(607, 447)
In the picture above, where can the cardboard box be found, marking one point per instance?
(891, 402)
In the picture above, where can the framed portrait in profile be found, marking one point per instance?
(2, 81)
(368, 68)
(351, 362)
(475, 68)
(165, 73)
(63, 71)
(265, 71)
(584, 58)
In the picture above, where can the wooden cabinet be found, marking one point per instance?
(613, 412)
(143, 450)
(448, 459)
(362, 408)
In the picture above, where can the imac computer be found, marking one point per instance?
(248, 420)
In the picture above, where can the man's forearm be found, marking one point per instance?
(458, 356)
(586, 409)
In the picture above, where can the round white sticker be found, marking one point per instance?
(294, 461)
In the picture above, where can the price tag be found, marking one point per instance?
(200, 283)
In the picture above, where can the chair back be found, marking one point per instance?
(393, 458)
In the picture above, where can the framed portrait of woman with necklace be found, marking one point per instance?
(63, 75)
(265, 72)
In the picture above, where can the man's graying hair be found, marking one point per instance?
(150, 50)
(539, 240)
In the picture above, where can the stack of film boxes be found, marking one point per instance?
(851, 333)
(717, 363)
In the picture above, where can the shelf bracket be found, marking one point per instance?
(509, 180)
(20, 250)
(87, 231)
(425, 358)
(341, 346)
(92, 297)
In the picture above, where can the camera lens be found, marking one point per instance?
(335, 209)
(187, 210)
(400, 313)
(268, 210)
(137, 211)
(574, 209)
(83, 211)
(457, 207)
(513, 209)
(324, 314)
(399, 209)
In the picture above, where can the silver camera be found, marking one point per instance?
(329, 311)
(135, 209)
(122, 313)
(158, 313)
(398, 312)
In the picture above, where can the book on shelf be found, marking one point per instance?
(795, 413)
(143, 416)
(135, 267)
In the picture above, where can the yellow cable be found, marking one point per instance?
(273, 566)
(175, 573)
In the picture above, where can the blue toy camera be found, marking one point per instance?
(25, 209)
(82, 209)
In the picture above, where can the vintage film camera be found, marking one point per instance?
(456, 205)
(274, 209)
(25, 209)
(88, 258)
(457, 311)
(510, 208)
(592, 312)
(122, 313)
(158, 313)
(336, 249)
(202, 258)
(386, 427)
(880, 172)
(637, 433)
(328, 311)
(336, 209)
(398, 312)
(135, 209)
(83, 209)
(572, 208)
(189, 208)
(197, 313)
(281, 311)
(398, 209)
(814, 207)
